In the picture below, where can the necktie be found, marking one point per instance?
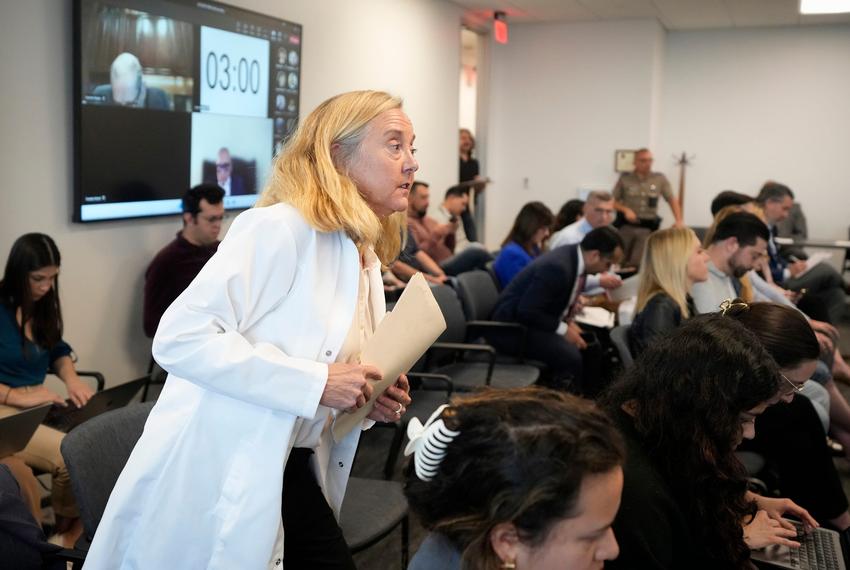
(574, 306)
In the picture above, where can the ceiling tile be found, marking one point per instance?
(747, 13)
(693, 14)
(673, 14)
(620, 9)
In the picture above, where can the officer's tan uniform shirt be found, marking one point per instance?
(641, 194)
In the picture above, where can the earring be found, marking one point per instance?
(509, 565)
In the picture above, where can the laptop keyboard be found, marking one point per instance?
(817, 551)
(62, 418)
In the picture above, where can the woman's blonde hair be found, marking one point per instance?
(664, 268)
(727, 211)
(306, 176)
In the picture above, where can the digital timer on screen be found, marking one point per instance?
(172, 93)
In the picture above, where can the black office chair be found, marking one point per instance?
(449, 354)
(620, 338)
(95, 454)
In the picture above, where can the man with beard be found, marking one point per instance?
(740, 241)
(431, 235)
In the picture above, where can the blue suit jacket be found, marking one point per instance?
(777, 262)
(540, 294)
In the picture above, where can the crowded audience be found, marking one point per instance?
(733, 346)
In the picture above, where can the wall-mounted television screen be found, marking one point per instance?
(173, 93)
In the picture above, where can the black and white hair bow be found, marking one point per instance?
(428, 442)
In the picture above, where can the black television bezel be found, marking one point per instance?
(76, 66)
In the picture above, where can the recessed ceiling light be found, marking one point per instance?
(824, 6)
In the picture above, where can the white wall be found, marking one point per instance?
(759, 104)
(750, 104)
(409, 47)
(563, 98)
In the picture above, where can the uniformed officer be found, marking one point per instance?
(636, 199)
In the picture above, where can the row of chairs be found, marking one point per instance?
(458, 361)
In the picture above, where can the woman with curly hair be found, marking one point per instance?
(526, 478)
(683, 408)
(790, 436)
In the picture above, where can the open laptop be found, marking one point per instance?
(16, 430)
(69, 417)
(822, 549)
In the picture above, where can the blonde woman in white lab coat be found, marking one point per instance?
(262, 355)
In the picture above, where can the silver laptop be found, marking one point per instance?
(820, 550)
(16, 430)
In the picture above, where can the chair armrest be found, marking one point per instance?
(74, 556)
(101, 382)
(520, 329)
(464, 347)
(444, 379)
(495, 324)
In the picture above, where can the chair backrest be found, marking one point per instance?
(492, 272)
(620, 337)
(95, 453)
(700, 231)
(478, 293)
(452, 312)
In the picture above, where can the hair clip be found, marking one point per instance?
(428, 442)
(730, 304)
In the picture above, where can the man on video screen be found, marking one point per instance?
(127, 87)
(231, 183)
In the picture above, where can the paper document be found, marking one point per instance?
(813, 260)
(401, 338)
(628, 289)
(596, 317)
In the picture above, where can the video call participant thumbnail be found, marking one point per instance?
(231, 183)
(127, 86)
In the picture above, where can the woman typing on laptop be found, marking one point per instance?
(31, 344)
(686, 404)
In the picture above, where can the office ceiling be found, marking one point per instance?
(672, 14)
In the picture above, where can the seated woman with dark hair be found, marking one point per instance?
(527, 478)
(673, 260)
(31, 344)
(790, 435)
(524, 242)
(570, 212)
(683, 408)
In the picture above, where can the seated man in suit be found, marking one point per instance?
(545, 296)
(231, 183)
(821, 281)
(127, 86)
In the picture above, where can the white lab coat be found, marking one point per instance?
(246, 347)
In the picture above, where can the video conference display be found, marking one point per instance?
(173, 93)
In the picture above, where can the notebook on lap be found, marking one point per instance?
(69, 417)
(822, 549)
(16, 430)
